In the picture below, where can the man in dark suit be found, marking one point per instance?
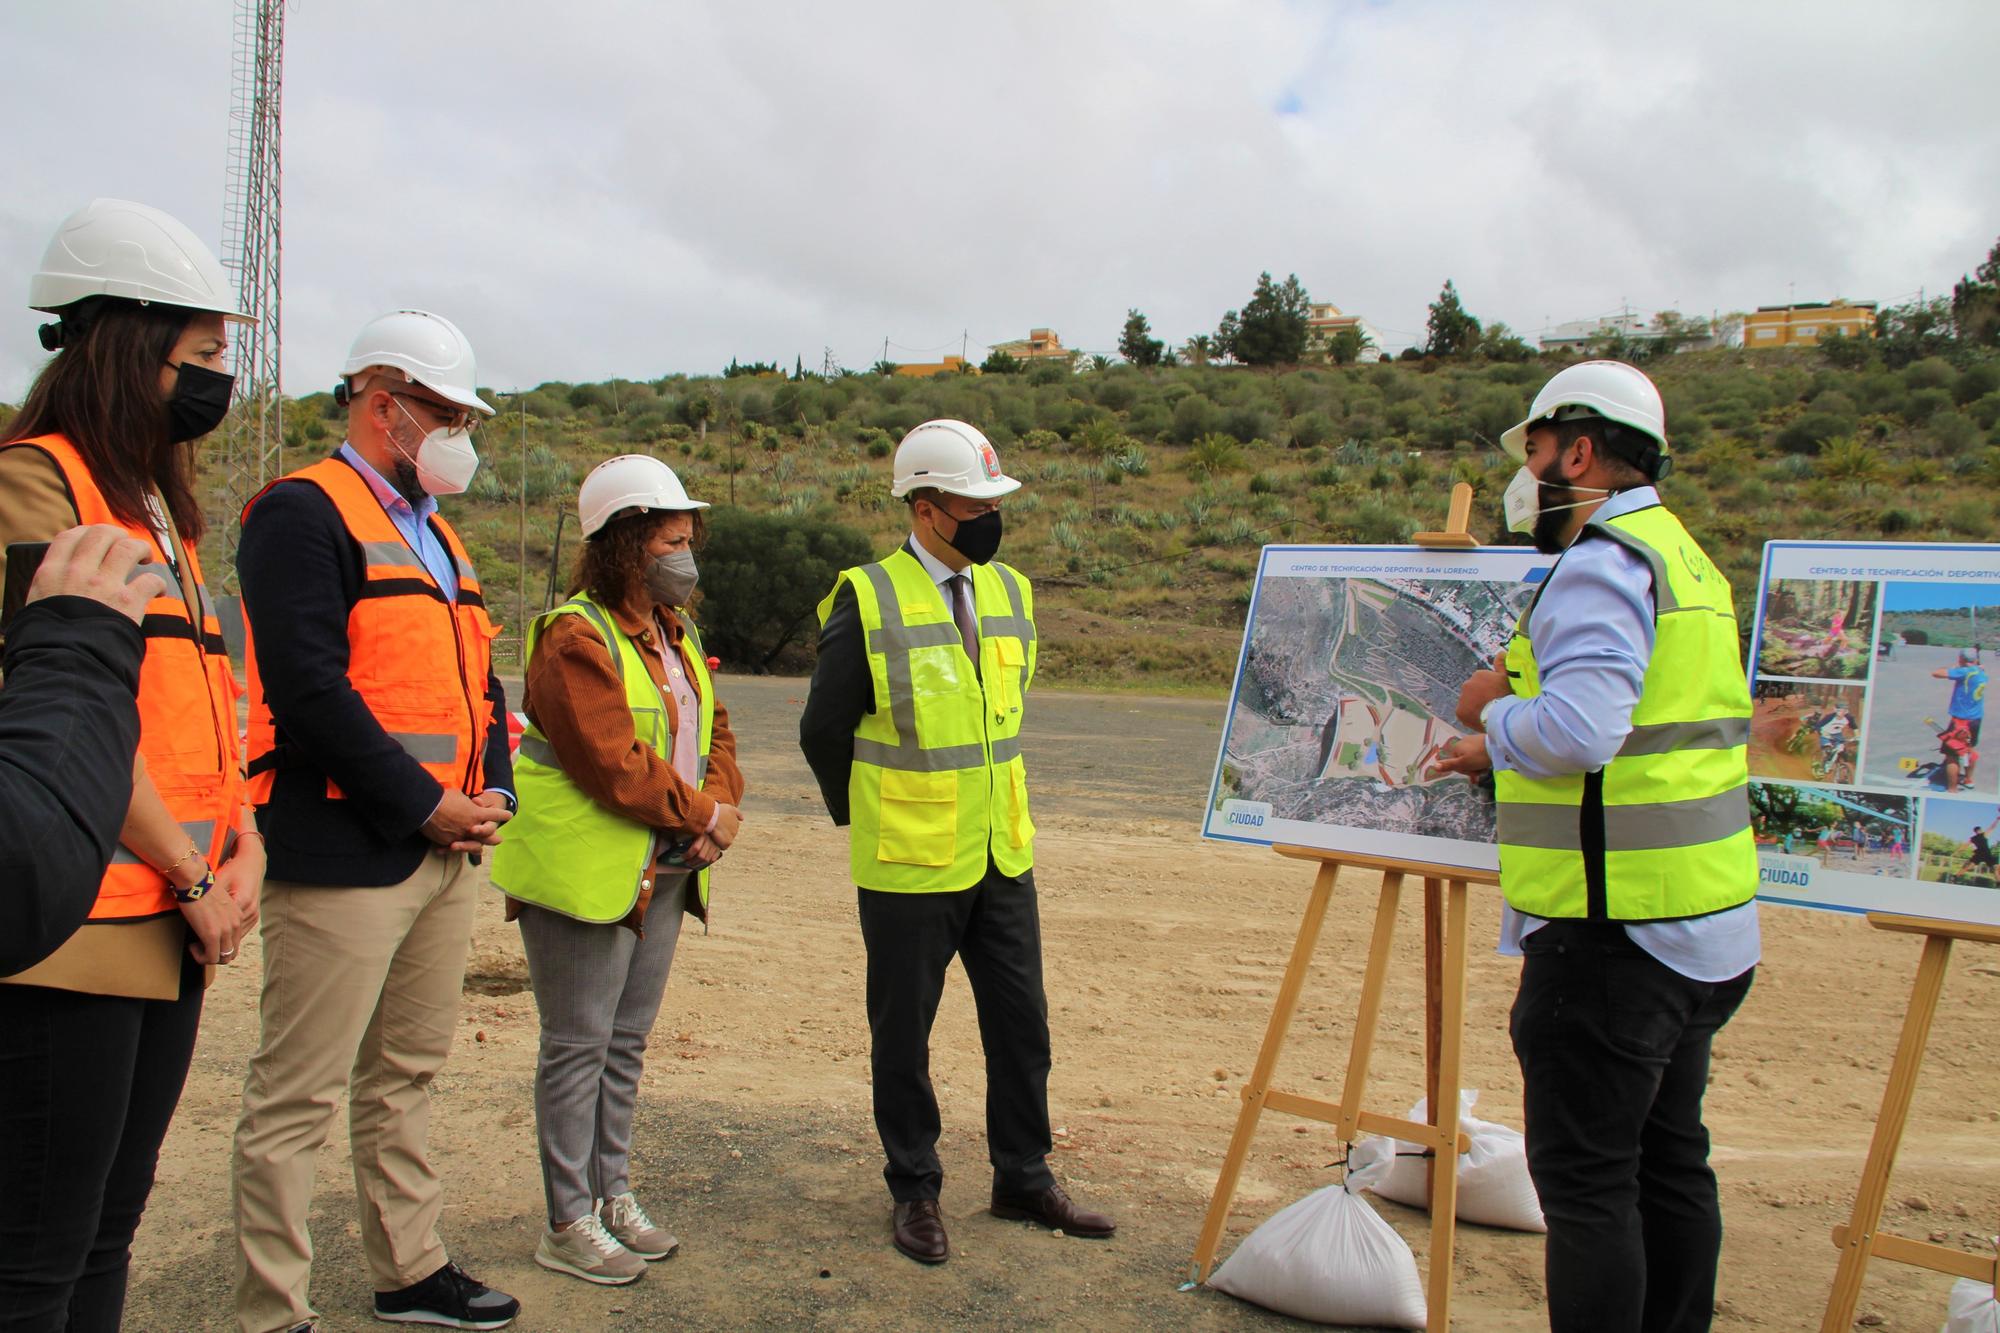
(912, 729)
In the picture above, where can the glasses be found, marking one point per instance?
(458, 420)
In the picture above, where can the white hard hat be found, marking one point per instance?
(953, 457)
(1609, 389)
(114, 247)
(629, 481)
(427, 348)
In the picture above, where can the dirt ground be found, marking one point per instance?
(1163, 955)
(1902, 696)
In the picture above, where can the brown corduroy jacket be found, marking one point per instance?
(576, 699)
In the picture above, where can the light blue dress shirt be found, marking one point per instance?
(1593, 642)
(413, 521)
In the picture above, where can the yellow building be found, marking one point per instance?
(1039, 345)
(951, 365)
(1805, 324)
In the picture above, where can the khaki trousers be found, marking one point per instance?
(361, 996)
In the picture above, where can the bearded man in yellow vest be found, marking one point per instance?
(913, 730)
(1616, 731)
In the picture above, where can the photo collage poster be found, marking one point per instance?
(1873, 787)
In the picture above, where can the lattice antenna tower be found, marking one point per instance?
(253, 253)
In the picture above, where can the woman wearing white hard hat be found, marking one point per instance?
(629, 791)
(95, 1040)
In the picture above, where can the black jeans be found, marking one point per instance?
(1614, 1049)
(88, 1085)
(995, 929)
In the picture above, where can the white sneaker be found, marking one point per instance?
(585, 1249)
(628, 1223)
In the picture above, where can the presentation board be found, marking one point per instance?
(1345, 690)
(1868, 677)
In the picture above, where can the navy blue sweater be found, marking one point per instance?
(301, 574)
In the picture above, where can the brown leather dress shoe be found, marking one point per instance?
(1056, 1210)
(918, 1231)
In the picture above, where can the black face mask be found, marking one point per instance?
(199, 403)
(977, 539)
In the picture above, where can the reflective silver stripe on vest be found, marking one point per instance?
(539, 750)
(427, 747)
(1716, 733)
(893, 641)
(1649, 827)
(1663, 587)
(1017, 624)
(1006, 748)
(389, 554)
(207, 607)
(201, 831)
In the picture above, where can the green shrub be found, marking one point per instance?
(762, 575)
(1194, 417)
(1975, 382)
(1212, 455)
(1891, 521)
(1933, 372)
(1806, 434)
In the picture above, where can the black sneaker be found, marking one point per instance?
(448, 1298)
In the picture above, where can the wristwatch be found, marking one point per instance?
(198, 890)
(1486, 713)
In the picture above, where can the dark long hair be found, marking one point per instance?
(612, 564)
(101, 392)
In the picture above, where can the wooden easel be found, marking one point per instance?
(1859, 1240)
(1445, 912)
(1444, 1012)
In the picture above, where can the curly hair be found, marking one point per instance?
(612, 565)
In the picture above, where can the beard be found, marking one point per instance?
(1548, 531)
(1549, 523)
(403, 476)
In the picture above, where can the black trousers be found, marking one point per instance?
(995, 929)
(88, 1085)
(1614, 1049)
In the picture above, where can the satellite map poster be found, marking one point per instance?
(1351, 665)
(1872, 787)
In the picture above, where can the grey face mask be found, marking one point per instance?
(670, 578)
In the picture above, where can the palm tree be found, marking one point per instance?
(1199, 349)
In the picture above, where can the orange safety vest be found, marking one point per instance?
(419, 661)
(187, 708)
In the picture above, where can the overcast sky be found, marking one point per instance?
(598, 189)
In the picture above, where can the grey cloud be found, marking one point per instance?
(628, 189)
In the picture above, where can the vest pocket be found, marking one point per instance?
(1020, 828)
(1013, 664)
(919, 819)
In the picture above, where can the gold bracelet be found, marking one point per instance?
(192, 850)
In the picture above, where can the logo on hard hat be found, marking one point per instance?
(990, 460)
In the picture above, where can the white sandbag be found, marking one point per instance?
(1972, 1308)
(1494, 1188)
(1328, 1258)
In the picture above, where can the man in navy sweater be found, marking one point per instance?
(378, 764)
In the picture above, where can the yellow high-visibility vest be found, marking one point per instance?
(1661, 832)
(562, 850)
(938, 783)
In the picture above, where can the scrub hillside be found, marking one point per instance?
(1148, 492)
